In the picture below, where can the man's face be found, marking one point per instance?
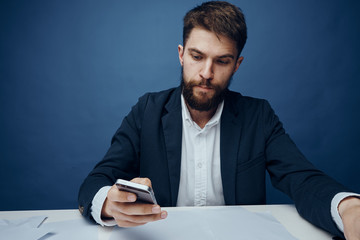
(208, 62)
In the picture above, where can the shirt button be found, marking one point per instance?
(199, 165)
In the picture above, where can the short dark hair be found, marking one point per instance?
(220, 17)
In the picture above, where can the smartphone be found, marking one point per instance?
(143, 193)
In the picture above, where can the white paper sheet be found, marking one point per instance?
(25, 228)
(210, 224)
(71, 230)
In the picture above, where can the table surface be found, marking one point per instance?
(285, 214)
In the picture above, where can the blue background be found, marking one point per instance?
(71, 70)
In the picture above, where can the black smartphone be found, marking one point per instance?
(143, 193)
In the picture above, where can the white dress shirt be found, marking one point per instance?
(200, 178)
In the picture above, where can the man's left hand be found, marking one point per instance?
(349, 210)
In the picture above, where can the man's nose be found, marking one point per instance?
(207, 70)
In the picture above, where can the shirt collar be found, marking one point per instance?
(212, 122)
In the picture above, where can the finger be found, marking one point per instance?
(137, 208)
(136, 220)
(126, 224)
(115, 195)
(143, 181)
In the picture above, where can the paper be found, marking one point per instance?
(71, 230)
(34, 228)
(25, 228)
(210, 224)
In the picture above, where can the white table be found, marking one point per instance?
(285, 214)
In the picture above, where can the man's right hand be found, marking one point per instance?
(122, 207)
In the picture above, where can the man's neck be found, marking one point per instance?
(201, 117)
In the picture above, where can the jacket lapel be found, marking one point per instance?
(172, 127)
(229, 144)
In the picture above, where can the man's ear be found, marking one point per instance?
(238, 62)
(181, 54)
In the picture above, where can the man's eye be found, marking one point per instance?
(223, 61)
(196, 57)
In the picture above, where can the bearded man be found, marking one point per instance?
(201, 144)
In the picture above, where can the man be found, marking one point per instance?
(202, 144)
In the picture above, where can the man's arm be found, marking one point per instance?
(290, 172)
(121, 160)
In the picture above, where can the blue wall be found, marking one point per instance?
(71, 70)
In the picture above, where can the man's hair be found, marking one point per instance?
(222, 18)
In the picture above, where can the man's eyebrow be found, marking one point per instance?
(227, 56)
(221, 56)
(195, 50)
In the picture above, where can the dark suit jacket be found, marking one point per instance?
(148, 144)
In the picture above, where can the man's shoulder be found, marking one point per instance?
(248, 107)
(237, 99)
(161, 98)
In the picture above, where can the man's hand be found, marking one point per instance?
(349, 210)
(121, 206)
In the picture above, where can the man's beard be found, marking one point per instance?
(204, 103)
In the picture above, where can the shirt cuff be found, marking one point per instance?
(334, 207)
(97, 204)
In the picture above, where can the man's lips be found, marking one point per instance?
(205, 87)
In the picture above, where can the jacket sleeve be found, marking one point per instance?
(291, 173)
(121, 160)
